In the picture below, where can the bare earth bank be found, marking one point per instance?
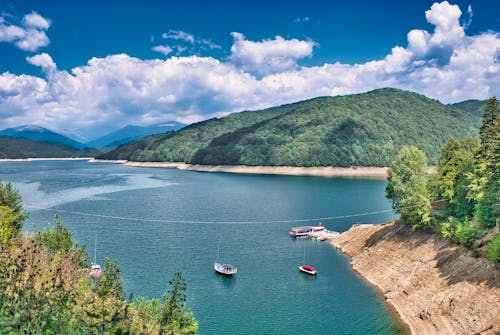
(435, 287)
(326, 171)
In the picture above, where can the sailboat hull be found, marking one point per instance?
(225, 269)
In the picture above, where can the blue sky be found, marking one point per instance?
(89, 67)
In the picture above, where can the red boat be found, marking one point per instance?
(308, 269)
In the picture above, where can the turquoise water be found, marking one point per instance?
(268, 295)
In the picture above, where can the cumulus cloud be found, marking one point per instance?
(30, 36)
(42, 60)
(269, 56)
(36, 21)
(110, 92)
(164, 49)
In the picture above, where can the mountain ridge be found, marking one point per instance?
(365, 129)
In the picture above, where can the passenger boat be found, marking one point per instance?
(305, 230)
(225, 269)
(308, 269)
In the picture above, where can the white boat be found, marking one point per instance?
(225, 268)
(95, 269)
(305, 230)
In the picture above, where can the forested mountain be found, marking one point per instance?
(365, 129)
(11, 147)
(180, 146)
(475, 107)
(40, 134)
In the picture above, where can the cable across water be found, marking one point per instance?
(232, 222)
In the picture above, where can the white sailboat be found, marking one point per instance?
(224, 268)
(95, 269)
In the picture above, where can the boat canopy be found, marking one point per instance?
(308, 267)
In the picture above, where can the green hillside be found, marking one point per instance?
(12, 147)
(182, 145)
(365, 129)
(475, 107)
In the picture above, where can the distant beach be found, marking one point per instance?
(324, 171)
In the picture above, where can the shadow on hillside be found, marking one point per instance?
(457, 264)
(398, 232)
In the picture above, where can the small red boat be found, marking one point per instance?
(308, 269)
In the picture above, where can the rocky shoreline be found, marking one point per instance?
(434, 286)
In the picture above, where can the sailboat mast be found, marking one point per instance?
(95, 249)
(218, 247)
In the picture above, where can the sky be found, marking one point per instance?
(86, 68)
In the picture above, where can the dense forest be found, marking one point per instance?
(365, 129)
(461, 201)
(13, 147)
(45, 287)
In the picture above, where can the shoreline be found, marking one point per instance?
(431, 285)
(46, 159)
(324, 171)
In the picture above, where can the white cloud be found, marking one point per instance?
(43, 60)
(164, 49)
(186, 42)
(178, 35)
(110, 92)
(36, 21)
(269, 56)
(30, 36)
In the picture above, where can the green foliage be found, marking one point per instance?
(485, 179)
(13, 147)
(36, 289)
(57, 238)
(467, 232)
(12, 199)
(174, 318)
(364, 129)
(45, 288)
(456, 162)
(475, 107)
(8, 224)
(493, 249)
(407, 187)
(110, 283)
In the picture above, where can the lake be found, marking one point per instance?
(155, 222)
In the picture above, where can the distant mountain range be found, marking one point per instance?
(132, 133)
(40, 134)
(365, 129)
(35, 141)
(16, 147)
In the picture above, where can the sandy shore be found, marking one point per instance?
(434, 286)
(46, 159)
(328, 171)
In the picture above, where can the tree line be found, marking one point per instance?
(461, 201)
